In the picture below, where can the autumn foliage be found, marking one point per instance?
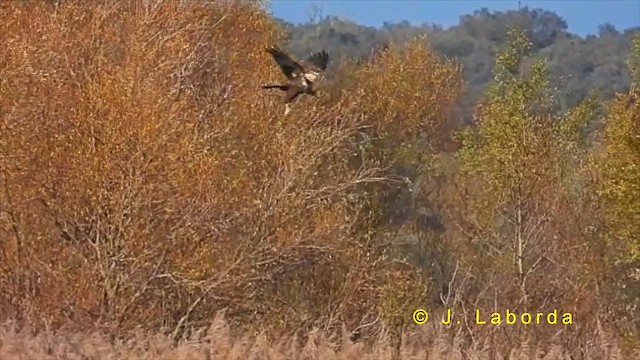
(146, 182)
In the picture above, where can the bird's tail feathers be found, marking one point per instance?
(275, 86)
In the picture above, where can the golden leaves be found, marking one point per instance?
(620, 167)
(408, 89)
(509, 60)
(162, 176)
(117, 124)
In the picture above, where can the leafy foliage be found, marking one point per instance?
(619, 191)
(517, 160)
(621, 183)
(147, 181)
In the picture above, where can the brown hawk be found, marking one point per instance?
(300, 75)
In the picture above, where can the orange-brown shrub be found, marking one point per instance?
(147, 181)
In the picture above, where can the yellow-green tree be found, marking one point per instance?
(516, 165)
(620, 193)
(621, 163)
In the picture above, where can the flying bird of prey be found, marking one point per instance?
(300, 75)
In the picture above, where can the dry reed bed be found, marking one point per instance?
(217, 342)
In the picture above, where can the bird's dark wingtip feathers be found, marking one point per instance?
(320, 59)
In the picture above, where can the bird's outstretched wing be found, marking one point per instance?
(289, 67)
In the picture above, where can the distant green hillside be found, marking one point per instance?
(577, 64)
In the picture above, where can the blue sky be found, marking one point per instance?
(582, 16)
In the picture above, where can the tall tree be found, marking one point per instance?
(516, 161)
(620, 193)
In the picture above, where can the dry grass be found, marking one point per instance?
(217, 342)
